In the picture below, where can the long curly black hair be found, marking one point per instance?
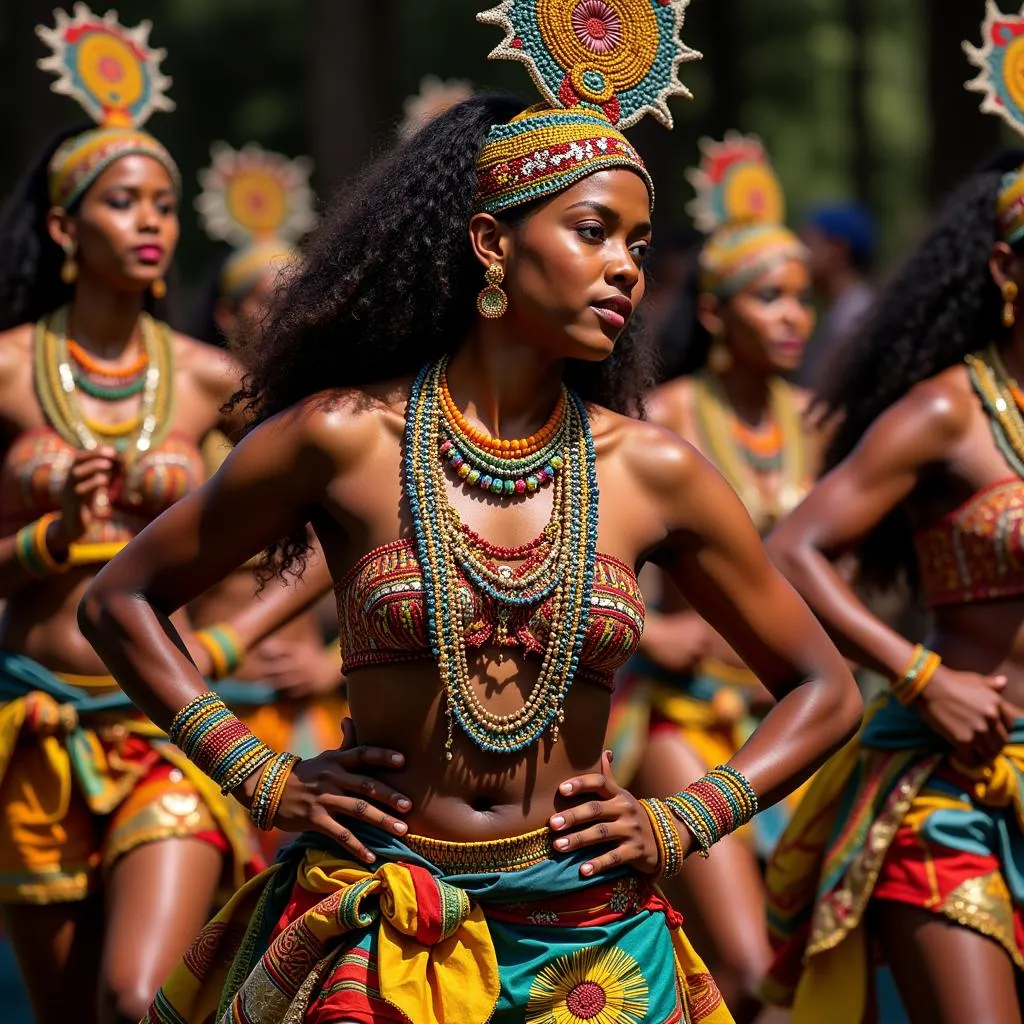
(389, 282)
(941, 305)
(30, 261)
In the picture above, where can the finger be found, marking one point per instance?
(324, 823)
(602, 832)
(573, 817)
(999, 681)
(91, 486)
(362, 756)
(366, 786)
(606, 770)
(87, 469)
(593, 782)
(624, 853)
(363, 810)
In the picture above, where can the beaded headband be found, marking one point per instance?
(261, 203)
(1000, 61)
(600, 66)
(740, 205)
(115, 75)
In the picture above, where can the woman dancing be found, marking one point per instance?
(911, 839)
(473, 859)
(688, 702)
(103, 408)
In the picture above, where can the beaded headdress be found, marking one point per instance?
(435, 97)
(261, 203)
(115, 75)
(1000, 61)
(741, 206)
(600, 65)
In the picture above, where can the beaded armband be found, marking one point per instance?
(225, 648)
(714, 806)
(216, 742)
(917, 675)
(32, 551)
(670, 854)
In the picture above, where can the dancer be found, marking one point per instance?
(911, 838)
(103, 409)
(473, 859)
(688, 701)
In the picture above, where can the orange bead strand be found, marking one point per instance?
(90, 364)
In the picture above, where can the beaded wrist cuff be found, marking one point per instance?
(270, 789)
(917, 675)
(670, 854)
(216, 742)
(32, 551)
(714, 806)
(224, 646)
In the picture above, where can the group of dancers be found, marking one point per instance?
(441, 410)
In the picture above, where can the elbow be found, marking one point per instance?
(785, 550)
(843, 708)
(98, 615)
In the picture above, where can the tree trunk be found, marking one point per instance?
(350, 84)
(857, 18)
(962, 136)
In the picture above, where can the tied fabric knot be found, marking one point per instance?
(436, 959)
(44, 716)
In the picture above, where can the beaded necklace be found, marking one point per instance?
(499, 465)
(997, 391)
(105, 382)
(559, 567)
(716, 424)
(762, 449)
(57, 389)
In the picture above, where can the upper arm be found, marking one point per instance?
(266, 487)
(884, 468)
(713, 554)
(218, 375)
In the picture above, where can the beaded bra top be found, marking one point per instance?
(37, 463)
(383, 618)
(975, 552)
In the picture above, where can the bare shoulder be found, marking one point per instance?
(15, 352)
(944, 403)
(670, 404)
(214, 371)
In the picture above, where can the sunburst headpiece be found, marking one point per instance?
(1000, 80)
(741, 205)
(600, 66)
(115, 75)
(435, 97)
(261, 203)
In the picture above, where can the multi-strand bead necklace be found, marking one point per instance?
(745, 465)
(558, 567)
(57, 383)
(1001, 397)
(499, 465)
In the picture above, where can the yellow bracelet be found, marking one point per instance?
(225, 648)
(32, 551)
(917, 675)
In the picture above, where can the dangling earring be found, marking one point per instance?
(719, 358)
(1009, 290)
(492, 301)
(158, 289)
(69, 268)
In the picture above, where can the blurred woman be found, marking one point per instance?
(911, 840)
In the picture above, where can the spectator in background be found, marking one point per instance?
(842, 239)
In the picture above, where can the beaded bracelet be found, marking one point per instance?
(670, 854)
(269, 790)
(224, 646)
(34, 553)
(714, 806)
(217, 742)
(917, 675)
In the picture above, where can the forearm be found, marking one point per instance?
(858, 633)
(27, 557)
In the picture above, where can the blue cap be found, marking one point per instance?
(849, 222)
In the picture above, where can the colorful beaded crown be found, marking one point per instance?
(600, 65)
(259, 202)
(740, 204)
(1000, 80)
(115, 75)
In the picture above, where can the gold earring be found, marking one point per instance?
(492, 301)
(69, 268)
(1009, 291)
(719, 358)
(158, 288)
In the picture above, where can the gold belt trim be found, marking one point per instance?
(512, 854)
